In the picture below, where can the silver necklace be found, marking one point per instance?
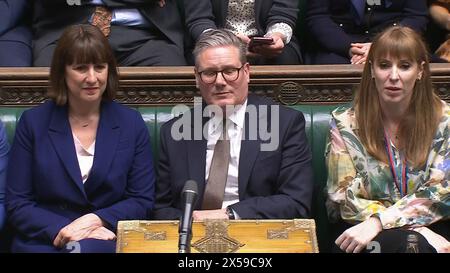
(83, 124)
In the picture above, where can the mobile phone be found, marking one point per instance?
(258, 40)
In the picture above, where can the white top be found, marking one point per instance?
(235, 130)
(85, 157)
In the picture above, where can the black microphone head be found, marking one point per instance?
(190, 187)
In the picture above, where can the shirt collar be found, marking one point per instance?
(237, 117)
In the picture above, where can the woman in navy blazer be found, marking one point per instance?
(79, 162)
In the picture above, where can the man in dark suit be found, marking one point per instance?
(142, 33)
(273, 18)
(15, 34)
(266, 169)
(342, 30)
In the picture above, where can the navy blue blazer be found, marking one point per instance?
(15, 35)
(4, 147)
(44, 185)
(272, 184)
(333, 26)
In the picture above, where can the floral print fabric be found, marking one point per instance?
(359, 186)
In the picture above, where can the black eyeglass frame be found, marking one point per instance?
(238, 70)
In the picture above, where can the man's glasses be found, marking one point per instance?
(229, 74)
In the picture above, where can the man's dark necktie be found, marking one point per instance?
(358, 10)
(102, 19)
(218, 173)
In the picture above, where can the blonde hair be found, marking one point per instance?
(419, 125)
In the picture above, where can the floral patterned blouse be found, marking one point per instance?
(359, 186)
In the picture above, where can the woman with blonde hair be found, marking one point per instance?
(388, 155)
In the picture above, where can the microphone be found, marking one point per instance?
(189, 195)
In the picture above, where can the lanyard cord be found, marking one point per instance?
(399, 173)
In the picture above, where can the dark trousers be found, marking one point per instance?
(132, 47)
(15, 47)
(395, 240)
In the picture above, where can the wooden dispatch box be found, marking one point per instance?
(220, 236)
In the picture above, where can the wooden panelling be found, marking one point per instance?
(291, 85)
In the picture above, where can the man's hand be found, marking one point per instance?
(357, 237)
(209, 214)
(79, 229)
(359, 52)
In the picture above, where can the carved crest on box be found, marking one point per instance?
(273, 234)
(155, 236)
(216, 238)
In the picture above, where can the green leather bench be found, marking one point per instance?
(317, 118)
(315, 90)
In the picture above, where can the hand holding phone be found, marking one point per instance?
(258, 40)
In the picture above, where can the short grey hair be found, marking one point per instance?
(219, 37)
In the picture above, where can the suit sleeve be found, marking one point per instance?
(4, 147)
(199, 17)
(139, 194)
(164, 207)
(292, 197)
(23, 210)
(415, 15)
(131, 3)
(324, 30)
(283, 11)
(11, 12)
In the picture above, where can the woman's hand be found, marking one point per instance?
(357, 237)
(102, 233)
(272, 50)
(437, 241)
(359, 52)
(79, 229)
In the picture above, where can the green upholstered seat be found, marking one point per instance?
(317, 120)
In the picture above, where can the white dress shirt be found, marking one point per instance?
(235, 130)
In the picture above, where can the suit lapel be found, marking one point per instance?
(196, 155)
(61, 136)
(249, 151)
(105, 147)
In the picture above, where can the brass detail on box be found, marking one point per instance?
(155, 236)
(216, 238)
(276, 234)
